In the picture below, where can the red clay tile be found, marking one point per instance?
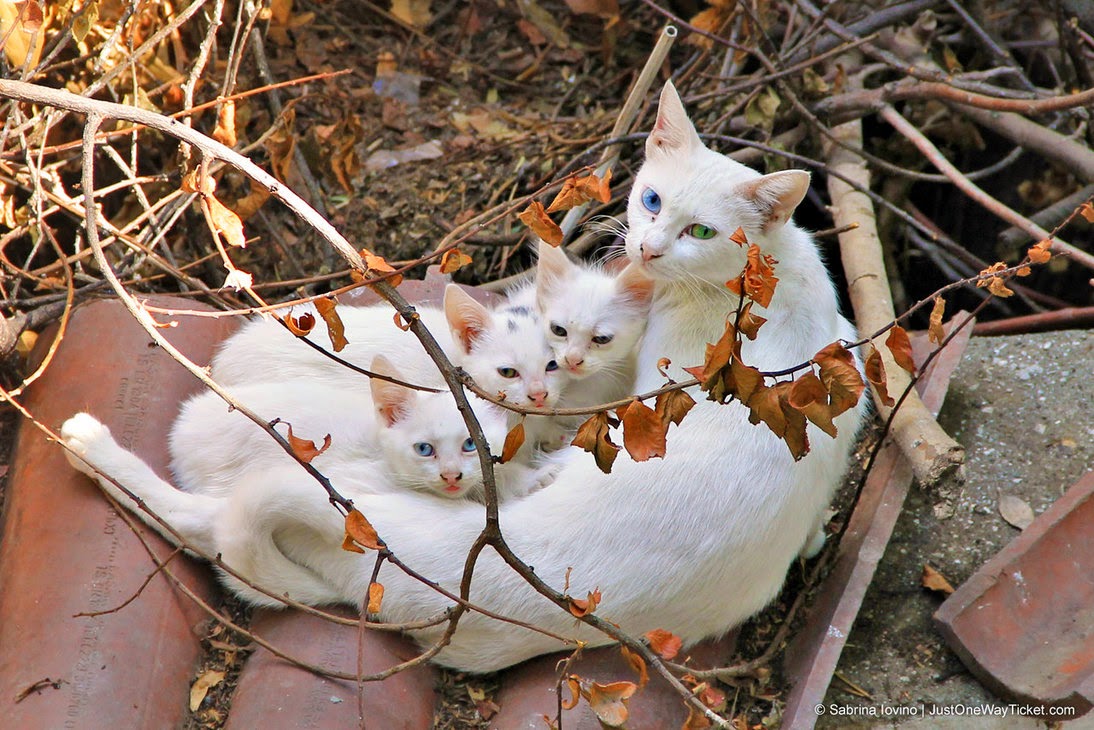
(276, 694)
(528, 690)
(1023, 622)
(813, 653)
(66, 551)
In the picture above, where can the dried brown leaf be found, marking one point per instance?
(580, 190)
(935, 332)
(875, 373)
(361, 532)
(536, 218)
(224, 221)
(643, 432)
(378, 266)
(594, 437)
(574, 683)
(584, 606)
(808, 395)
(335, 329)
(637, 663)
(608, 701)
(225, 131)
(1015, 511)
(453, 260)
(375, 597)
(840, 377)
(673, 405)
(513, 441)
(1041, 252)
(201, 686)
(304, 449)
(935, 581)
(901, 348)
(664, 644)
(748, 323)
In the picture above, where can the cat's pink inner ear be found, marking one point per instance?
(466, 317)
(636, 285)
(392, 401)
(672, 131)
(776, 196)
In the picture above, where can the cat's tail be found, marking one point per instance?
(93, 450)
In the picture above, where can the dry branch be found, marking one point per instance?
(936, 459)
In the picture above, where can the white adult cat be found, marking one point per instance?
(694, 543)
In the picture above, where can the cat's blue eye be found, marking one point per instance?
(552, 366)
(423, 449)
(698, 230)
(603, 339)
(468, 446)
(558, 331)
(651, 200)
(509, 373)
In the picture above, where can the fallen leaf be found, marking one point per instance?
(609, 701)
(1015, 511)
(513, 441)
(935, 332)
(637, 663)
(415, 13)
(487, 709)
(664, 644)
(901, 348)
(453, 260)
(673, 405)
(375, 597)
(335, 329)
(935, 581)
(593, 436)
(536, 218)
(304, 449)
(201, 686)
(584, 606)
(1086, 210)
(361, 532)
(875, 373)
(643, 432)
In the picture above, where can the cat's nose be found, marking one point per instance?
(648, 253)
(452, 478)
(574, 361)
(539, 398)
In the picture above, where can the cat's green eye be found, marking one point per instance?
(509, 373)
(698, 230)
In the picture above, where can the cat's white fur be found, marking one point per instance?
(694, 543)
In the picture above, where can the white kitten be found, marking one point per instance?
(694, 543)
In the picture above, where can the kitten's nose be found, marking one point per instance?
(574, 361)
(539, 398)
(452, 478)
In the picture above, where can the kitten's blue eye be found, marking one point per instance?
(558, 331)
(508, 372)
(423, 449)
(552, 366)
(698, 230)
(651, 200)
(469, 446)
(603, 339)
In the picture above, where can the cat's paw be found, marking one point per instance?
(84, 435)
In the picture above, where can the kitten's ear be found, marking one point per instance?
(392, 401)
(466, 317)
(552, 267)
(635, 285)
(776, 195)
(673, 131)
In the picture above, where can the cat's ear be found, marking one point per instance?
(635, 285)
(776, 196)
(552, 267)
(466, 317)
(673, 131)
(392, 401)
